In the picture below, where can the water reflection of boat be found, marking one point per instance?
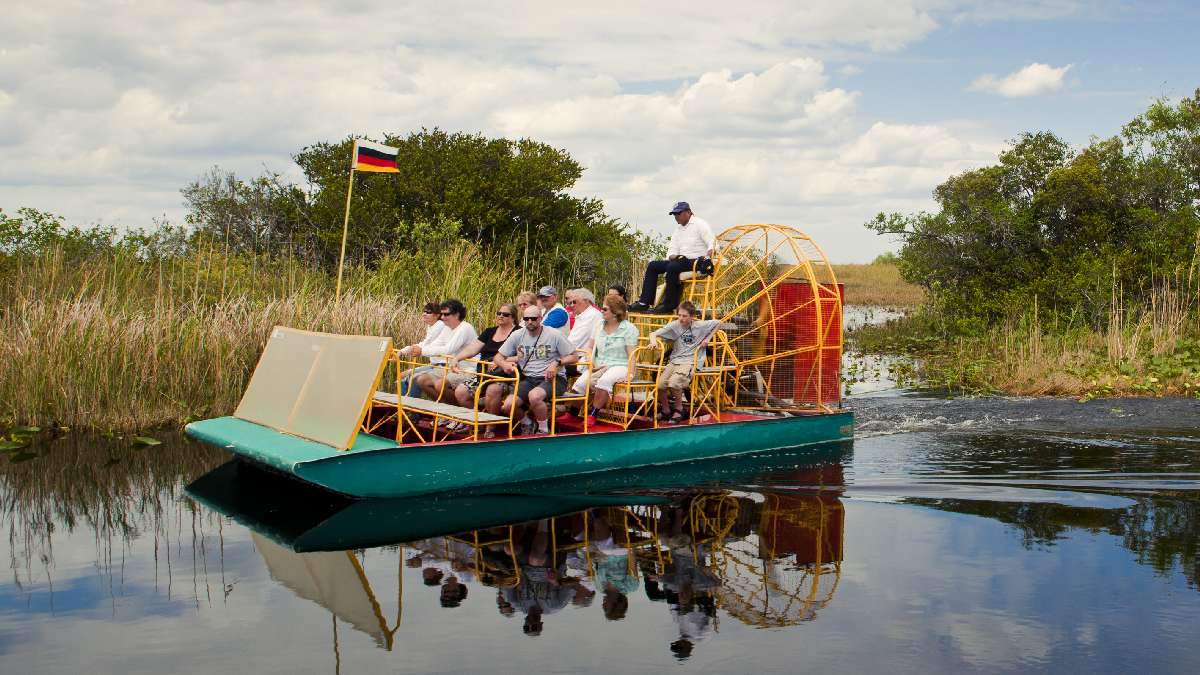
(769, 378)
(766, 558)
(335, 580)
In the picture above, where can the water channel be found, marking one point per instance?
(990, 535)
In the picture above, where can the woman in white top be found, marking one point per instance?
(434, 330)
(460, 333)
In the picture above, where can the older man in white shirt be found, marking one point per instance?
(582, 304)
(693, 238)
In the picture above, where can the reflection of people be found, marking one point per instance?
(613, 575)
(694, 618)
(543, 589)
(693, 239)
(453, 592)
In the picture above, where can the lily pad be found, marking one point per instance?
(22, 457)
(146, 441)
(25, 431)
(9, 446)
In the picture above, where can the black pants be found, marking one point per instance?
(672, 268)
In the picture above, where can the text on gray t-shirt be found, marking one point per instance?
(536, 353)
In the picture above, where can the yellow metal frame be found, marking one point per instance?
(406, 417)
(622, 408)
(751, 264)
(708, 386)
(584, 362)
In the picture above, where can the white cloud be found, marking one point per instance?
(1032, 80)
(731, 109)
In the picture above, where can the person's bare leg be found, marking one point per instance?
(463, 396)
(492, 398)
(508, 406)
(599, 398)
(537, 404)
(427, 383)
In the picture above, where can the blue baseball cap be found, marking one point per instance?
(679, 207)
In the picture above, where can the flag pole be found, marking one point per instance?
(345, 230)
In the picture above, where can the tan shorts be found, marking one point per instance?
(675, 376)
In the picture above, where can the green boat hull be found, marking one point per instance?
(376, 468)
(304, 518)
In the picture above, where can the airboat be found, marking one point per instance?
(329, 409)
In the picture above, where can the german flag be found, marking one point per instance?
(370, 156)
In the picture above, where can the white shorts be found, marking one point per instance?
(609, 377)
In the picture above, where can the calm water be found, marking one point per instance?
(996, 535)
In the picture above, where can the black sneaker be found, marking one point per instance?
(638, 306)
(662, 309)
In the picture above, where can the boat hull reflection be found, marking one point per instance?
(699, 538)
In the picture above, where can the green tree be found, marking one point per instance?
(1060, 228)
(511, 196)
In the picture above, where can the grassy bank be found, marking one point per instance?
(879, 285)
(1144, 350)
(118, 341)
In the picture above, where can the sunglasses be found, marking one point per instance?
(504, 314)
(531, 318)
(603, 308)
(447, 313)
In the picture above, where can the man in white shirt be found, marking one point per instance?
(582, 304)
(693, 238)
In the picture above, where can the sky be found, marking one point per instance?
(817, 114)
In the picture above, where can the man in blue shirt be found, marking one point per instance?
(554, 314)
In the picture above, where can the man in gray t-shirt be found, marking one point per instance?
(689, 334)
(538, 352)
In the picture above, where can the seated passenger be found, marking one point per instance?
(611, 345)
(460, 333)
(524, 299)
(617, 289)
(693, 239)
(463, 383)
(539, 352)
(690, 335)
(553, 313)
(587, 318)
(434, 329)
(584, 320)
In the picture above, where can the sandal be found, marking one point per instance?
(676, 417)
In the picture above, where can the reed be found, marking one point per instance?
(879, 285)
(119, 342)
(1148, 348)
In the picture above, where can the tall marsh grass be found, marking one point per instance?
(115, 341)
(1151, 347)
(878, 285)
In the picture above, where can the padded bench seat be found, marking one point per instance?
(443, 410)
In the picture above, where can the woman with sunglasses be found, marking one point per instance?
(611, 346)
(460, 333)
(460, 386)
(434, 331)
